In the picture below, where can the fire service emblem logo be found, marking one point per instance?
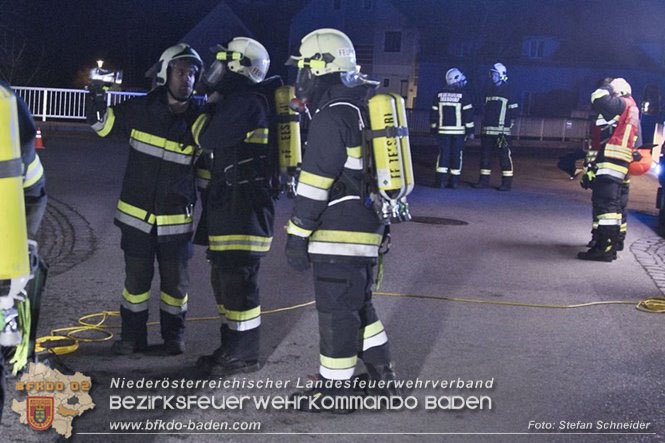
(40, 412)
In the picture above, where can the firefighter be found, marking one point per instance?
(607, 176)
(233, 132)
(497, 121)
(156, 203)
(451, 119)
(29, 168)
(330, 224)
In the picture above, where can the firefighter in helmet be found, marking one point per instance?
(618, 116)
(451, 121)
(233, 132)
(331, 227)
(154, 212)
(495, 133)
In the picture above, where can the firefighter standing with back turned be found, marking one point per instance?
(607, 175)
(451, 119)
(330, 223)
(22, 273)
(156, 203)
(233, 132)
(497, 121)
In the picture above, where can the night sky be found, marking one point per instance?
(59, 41)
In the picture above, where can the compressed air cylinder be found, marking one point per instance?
(387, 150)
(288, 131)
(407, 165)
(14, 261)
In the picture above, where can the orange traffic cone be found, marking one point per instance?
(39, 143)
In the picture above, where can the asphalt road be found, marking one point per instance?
(554, 366)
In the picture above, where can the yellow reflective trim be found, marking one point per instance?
(598, 93)
(338, 363)
(228, 55)
(355, 151)
(373, 329)
(220, 309)
(162, 142)
(135, 298)
(318, 181)
(255, 238)
(172, 301)
(109, 120)
(135, 212)
(294, 229)
(259, 135)
(608, 165)
(30, 170)
(364, 238)
(203, 173)
(242, 315)
(315, 64)
(177, 219)
(610, 216)
(198, 125)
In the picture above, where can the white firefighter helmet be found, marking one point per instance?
(176, 52)
(621, 87)
(244, 56)
(325, 51)
(501, 71)
(455, 77)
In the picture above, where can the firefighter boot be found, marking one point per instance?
(506, 184)
(134, 332)
(620, 239)
(594, 238)
(440, 179)
(483, 182)
(173, 331)
(386, 374)
(604, 249)
(454, 182)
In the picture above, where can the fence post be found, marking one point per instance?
(44, 105)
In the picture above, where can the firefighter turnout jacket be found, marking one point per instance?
(239, 209)
(623, 123)
(158, 188)
(498, 110)
(328, 208)
(452, 112)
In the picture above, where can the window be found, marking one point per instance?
(386, 82)
(337, 4)
(393, 41)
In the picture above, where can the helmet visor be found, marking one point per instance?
(305, 82)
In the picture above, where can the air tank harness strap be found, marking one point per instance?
(390, 132)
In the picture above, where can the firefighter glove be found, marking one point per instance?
(588, 178)
(296, 252)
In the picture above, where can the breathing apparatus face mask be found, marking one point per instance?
(305, 84)
(214, 74)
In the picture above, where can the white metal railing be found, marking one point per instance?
(58, 103)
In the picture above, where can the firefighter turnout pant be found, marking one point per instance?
(449, 160)
(606, 199)
(348, 325)
(172, 257)
(625, 188)
(500, 143)
(234, 283)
